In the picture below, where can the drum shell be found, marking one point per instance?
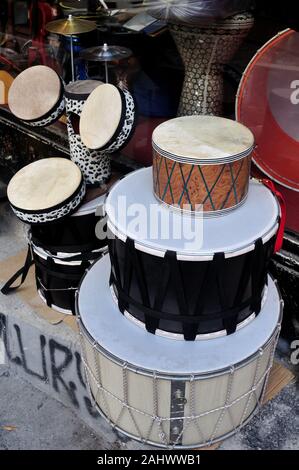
(53, 282)
(158, 405)
(64, 235)
(213, 189)
(197, 280)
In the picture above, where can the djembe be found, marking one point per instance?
(204, 50)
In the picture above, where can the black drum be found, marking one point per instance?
(184, 276)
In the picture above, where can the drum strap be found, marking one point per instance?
(84, 249)
(8, 288)
(50, 270)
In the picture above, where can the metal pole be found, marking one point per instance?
(106, 72)
(72, 59)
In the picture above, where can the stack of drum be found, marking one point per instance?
(179, 323)
(61, 199)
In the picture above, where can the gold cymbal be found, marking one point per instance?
(71, 25)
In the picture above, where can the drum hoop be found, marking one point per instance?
(52, 110)
(57, 206)
(202, 162)
(62, 258)
(242, 85)
(148, 373)
(201, 214)
(192, 256)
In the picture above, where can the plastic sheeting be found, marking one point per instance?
(195, 11)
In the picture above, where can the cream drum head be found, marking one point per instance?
(46, 190)
(36, 95)
(169, 393)
(81, 89)
(107, 119)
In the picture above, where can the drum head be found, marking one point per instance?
(44, 184)
(81, 87)
(140, 221)
(34, 93)
(204, 138)
(267, 103)
(101, 116)
(126, 341)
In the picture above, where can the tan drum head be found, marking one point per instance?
(44, 184)
(101, 116)
(34, 93)
(82, 87)
(205, 138)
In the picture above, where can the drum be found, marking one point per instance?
(74, 234)
(36, 96)
(58, 277)
(46, 190)
(184, 277)
(108, 119)
(202, 164)
(267, 102)
(204, 50)
(94, 165)
(171, 394)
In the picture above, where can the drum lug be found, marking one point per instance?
(178, 402)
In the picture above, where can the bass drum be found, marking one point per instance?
(171, 394)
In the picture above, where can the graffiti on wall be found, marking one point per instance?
(55, 361)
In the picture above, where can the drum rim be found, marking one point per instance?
(177, 376)
(202, 214)
(202, 161)
(53, 109)
(57, 206)
(240, 93)
(119, 127)
(189, 256)
(62, 257)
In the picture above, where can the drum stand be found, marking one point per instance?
(204, 50)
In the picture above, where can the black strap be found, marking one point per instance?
(49, 269)
(83, 248)
(8, 288)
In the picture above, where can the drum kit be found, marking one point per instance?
(178, 332)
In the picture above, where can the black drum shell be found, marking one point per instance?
(54, 276)
(64, 235)
(192, 274)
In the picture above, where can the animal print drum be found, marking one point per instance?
(187, 277)
(170, 394)
(36, 96)
(46, 190)
(95, 165)
(108, 119)
(202, 164)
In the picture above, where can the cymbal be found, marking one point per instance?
(105, 53)
(71, 25)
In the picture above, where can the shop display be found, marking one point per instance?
(202, 163)
(108, 119)
(95, 165)
(36, 96)
(190, 286)
(167, 393)
(267, 103)
(46, 190)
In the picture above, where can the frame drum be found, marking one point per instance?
(95, 165)
(171, 394)
(108, 119)
(182, 276)
(36, 96)
(46, 190)
(267, 102)
(202, 163)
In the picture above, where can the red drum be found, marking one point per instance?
(267, 103)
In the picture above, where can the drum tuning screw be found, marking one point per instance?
(176, 431)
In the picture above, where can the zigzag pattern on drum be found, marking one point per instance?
(53, 215)
(181, 185)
